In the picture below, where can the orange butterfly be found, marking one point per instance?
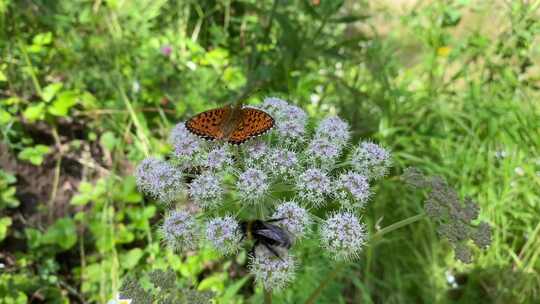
(234, 124)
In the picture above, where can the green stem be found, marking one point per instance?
(397, 225)
(32, 72)
(267, 297)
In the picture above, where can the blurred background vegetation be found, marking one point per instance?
(89, 87)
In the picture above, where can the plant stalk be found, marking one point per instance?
(267, 296)
(397, 225)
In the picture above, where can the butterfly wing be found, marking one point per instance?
(253, 122)
(208, 124)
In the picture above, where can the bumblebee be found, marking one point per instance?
(266, 234)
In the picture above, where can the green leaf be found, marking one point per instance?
(5, 117)
(123, 235)
(128, 193)
(50, 91)
(3, 76)
(89, 192)
(214, 282)
(5, 222)
(8, 199)
(42, 38)
(34, 112)
(349, 19)
(33, 237)
(88, 101)
(130, 259)
(108, 140)
(63, 102)
(62, 233)
(232, 290)
(34, 154)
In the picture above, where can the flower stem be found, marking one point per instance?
(397, 225)
(267, 296)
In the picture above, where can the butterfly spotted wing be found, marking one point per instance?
(254, 122)
(222, 123)
(209, 124)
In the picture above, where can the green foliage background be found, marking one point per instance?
(87, 90)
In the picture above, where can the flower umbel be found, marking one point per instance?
(290, 120)
(185, 144)
(206, 190)
(334, 129)
(323, 150)
(343, 235)
(293, 218)
(224, 234)
(371, 160)
(282, 163)
(273, 272)
(159, 179)
(218, 158)
(352, 189)
(180, 230)
(452, 215)
(314, 186)
(302, 172)
(252, 185)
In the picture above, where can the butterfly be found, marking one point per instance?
(234, 124)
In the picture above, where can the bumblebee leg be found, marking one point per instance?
(272, 250)
(252, 250)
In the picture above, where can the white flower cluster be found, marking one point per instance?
(284, 178)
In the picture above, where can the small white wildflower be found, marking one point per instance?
(352, 189)
(218, 158)
(185, 144)
(255, 152)
(343, 235)
(322, 149)
(371, 160)
(180, 230)
(314, 186)
(206, 190)
(282, 163)
(252, 185)
(293, 218)
(334, 129)
(159, 179)
(273, 272)
(224, 234)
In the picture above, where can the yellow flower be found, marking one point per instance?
(443, 51)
